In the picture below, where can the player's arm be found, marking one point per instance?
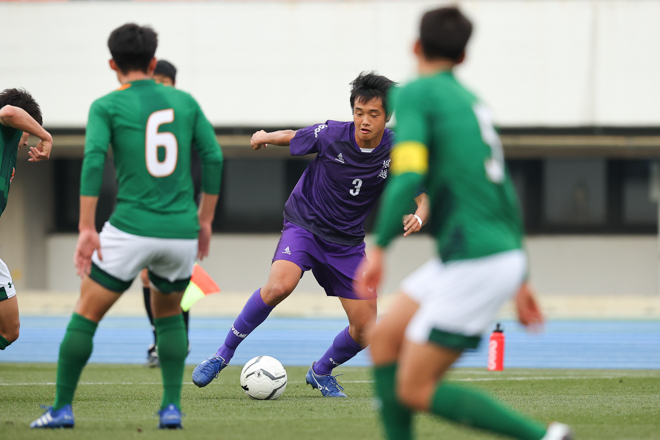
(407, 173)
(88, 238)
(280, 138)
(97, 141)
(413, 222)
(205, 213)
(19, 119)
(210, 153)
(409, 166)
(300, 142)
(529, 312)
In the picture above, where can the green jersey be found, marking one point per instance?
(446, 141)
(151, 128)
(9, 139)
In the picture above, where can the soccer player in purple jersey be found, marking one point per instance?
(324, 226)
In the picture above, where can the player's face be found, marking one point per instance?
(164, 80)
(370, 119)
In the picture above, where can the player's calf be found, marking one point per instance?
(387, 336)
(9, 320)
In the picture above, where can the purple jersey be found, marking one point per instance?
(341, 185)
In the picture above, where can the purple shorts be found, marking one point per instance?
(333, 265)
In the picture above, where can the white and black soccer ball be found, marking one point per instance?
(263, 378)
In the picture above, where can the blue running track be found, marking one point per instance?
(564, 344)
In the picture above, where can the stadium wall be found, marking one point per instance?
(283, 63)
(593, 264)
(560, 265)
(551, 63)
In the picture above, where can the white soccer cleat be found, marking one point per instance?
(558, 431)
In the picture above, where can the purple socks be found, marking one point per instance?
(342, 349)
(254, 313)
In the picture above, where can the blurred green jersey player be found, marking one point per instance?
(447, 143)
(20, 117)
(165, 74)
(155, 224)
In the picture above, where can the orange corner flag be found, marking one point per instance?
(201, 284)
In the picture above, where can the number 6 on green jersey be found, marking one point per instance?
(155, 139)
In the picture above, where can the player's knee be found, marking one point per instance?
(276, 292)
(362, 333)
(13, 336)
(11, 333)
(362, 323)
(411, 396)
(384, 346)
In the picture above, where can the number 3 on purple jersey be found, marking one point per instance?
(356, 190)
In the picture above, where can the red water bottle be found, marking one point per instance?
(496, 350)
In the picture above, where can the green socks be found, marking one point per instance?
(473, 408)
(75, 350)
(4, 343)
(459, 404)
(396, 418)
(172, 352)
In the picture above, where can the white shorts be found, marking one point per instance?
(170, 260)
(7, 289)
(460, 299)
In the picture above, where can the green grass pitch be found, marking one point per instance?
(120, 401)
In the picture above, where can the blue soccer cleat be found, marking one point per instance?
(170, 418)
(62, 418)
(204, 373)
(326, 384)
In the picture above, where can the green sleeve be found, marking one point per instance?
(411, 114)
(206, 144)
(409, 164)
(394, 205)
(97, 141)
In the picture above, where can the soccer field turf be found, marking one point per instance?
(120, 401)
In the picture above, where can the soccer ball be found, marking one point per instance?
(263, 378)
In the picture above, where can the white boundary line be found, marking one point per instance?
(481, 379)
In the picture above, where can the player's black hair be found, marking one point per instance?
(444, 33)
(21, 98)
(132, 47)
(368, 86)
(166, 68)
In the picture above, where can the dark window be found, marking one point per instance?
(567, 196)
(639, 208)
(575, 192)
(67, 194)
(254, 192)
